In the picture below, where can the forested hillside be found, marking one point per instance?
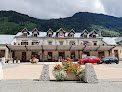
(12, 22)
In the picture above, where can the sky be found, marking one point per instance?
(48, 9)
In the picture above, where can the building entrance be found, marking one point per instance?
(101, 55)
(73, 55)
(116, 53)
(49, 56)
(23, 57)
(61, 55)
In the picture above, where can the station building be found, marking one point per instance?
(52, 46)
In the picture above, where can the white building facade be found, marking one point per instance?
(52, 46)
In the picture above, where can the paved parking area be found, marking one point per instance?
(105, 71)
(116, 65)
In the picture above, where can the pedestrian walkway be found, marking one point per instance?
(22, 71)
(33, 71)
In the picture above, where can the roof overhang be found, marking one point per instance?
(60, 47)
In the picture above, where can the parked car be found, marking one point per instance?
(89, 59)
(109, 60)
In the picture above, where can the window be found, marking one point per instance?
(49, 35)
(35, 35)
(34, 54)
(92, 57)
(61, 33)
(35, 43)
(61, 42)
(71, 35)
(71, 43)
(2, 53)
(94, 43)
(24, 43)
(25, 34)
(49, 43)
(85, 36)
(94, 36)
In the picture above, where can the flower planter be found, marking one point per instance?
(72, 76)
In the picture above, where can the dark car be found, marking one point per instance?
(109, 60)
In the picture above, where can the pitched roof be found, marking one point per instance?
(93, 32)
(110, 40)
(60, 30)
(6, 39)
(118, 39)
(25, 29)
(84, 31)
(35, 29)
(71, 31)
(50, 30)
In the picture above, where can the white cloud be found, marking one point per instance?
(46, 9)
(113, 7)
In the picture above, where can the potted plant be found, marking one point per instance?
(34, 60)
(68, 71)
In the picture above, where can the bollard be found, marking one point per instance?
(1, 72)
(3, 60)
(18, 61)
(14, 61)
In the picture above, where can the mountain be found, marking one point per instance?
(12, 22)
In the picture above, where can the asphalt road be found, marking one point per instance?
(116, 65)
(52, 86)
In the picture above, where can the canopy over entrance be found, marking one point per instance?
(59, 47)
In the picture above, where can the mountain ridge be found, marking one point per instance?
(12, 22)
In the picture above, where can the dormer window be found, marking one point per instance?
(84, 34)
(25, 32)
(35, 32)
(93, 34)
(35, 35)
(49, 33)
(60, 33)
(71, 33)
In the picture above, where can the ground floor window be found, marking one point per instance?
(34, 54)
(101, 55)
(62, 55)
(2, 53)
(23, 57)
(116, 53)
(49, 56)
(87, 53)
(73, 55)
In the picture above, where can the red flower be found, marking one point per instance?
(78, 74)
(55, 61)
(66, 70)
(67, 74)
